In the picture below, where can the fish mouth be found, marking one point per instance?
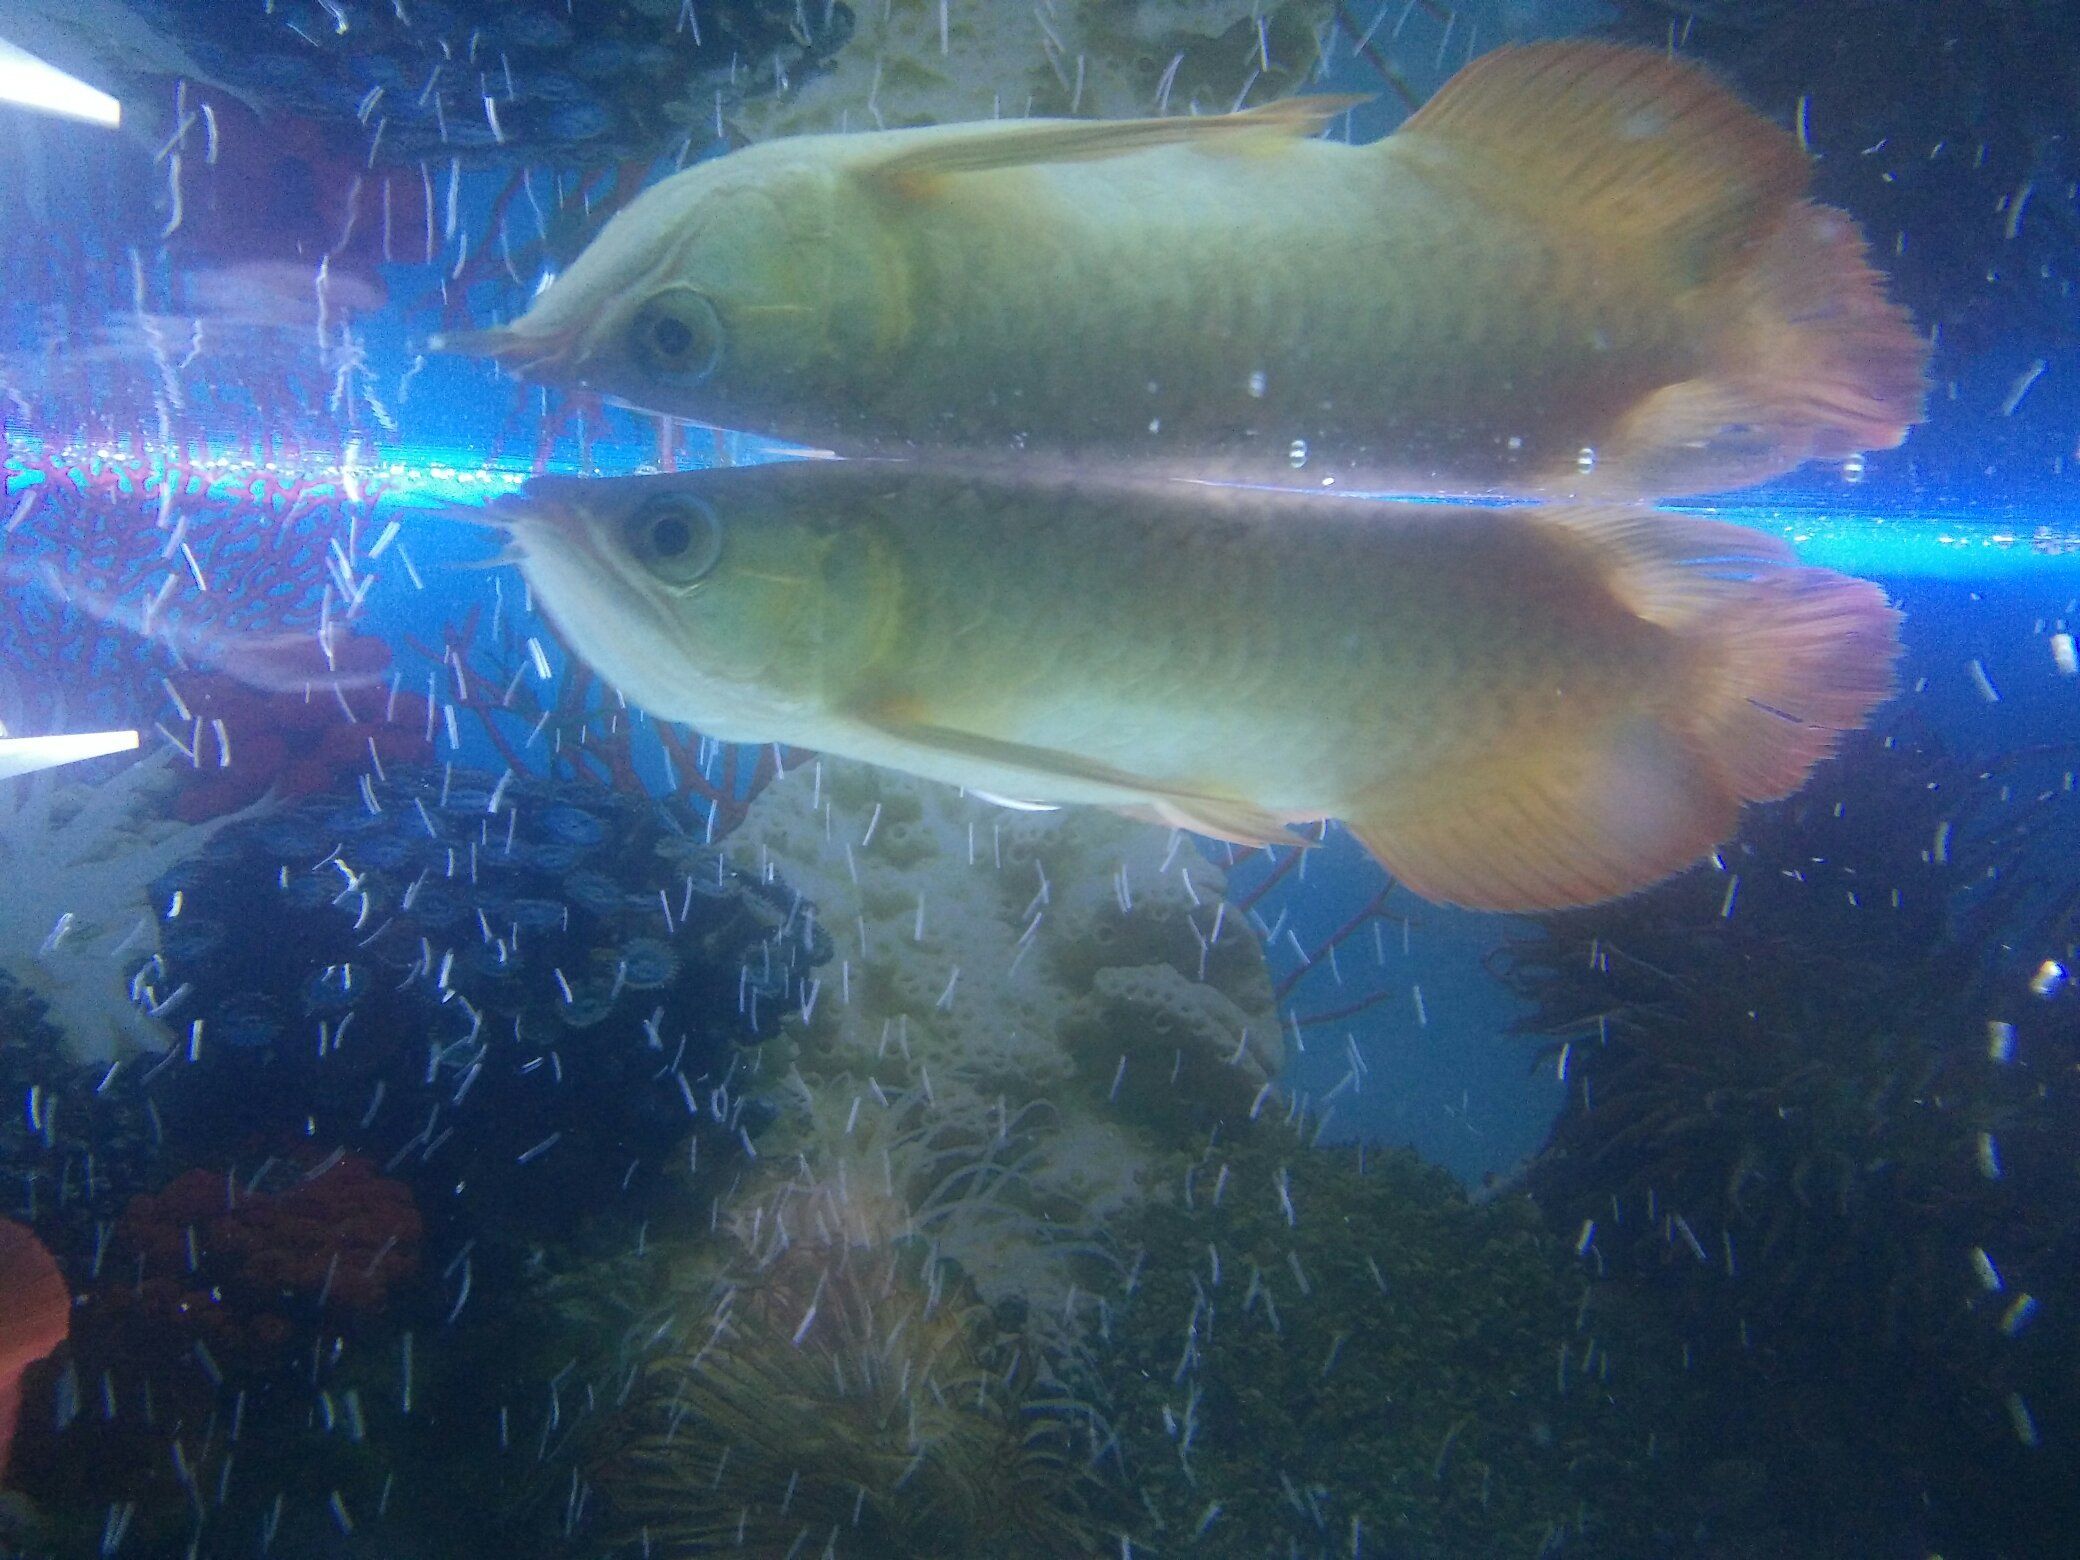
(535, 526)
(524, 352)
(503, 514)
(506, 512)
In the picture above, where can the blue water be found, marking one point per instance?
(544, 1130)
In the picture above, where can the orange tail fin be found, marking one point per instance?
(1652, 164)
(1769, 663)
(1805, 656)
(1813, 363)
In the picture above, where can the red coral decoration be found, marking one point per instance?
(36, 1318)
(236, 1267)
(297, 742)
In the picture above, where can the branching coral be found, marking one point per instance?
(75, 923)
(104, 574)
(912, 62)
(1063, 992)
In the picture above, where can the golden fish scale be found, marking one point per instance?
(1047, 299)
(1247, 647)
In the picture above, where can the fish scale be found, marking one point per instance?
(1572, 247)
(1513, 708)
(1051, 336)
(1153, 576)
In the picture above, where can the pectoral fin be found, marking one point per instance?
(1219, 817)
(917, 169)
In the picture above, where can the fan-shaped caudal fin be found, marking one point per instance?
(1814, 364)
(35, 1317)
(1771, 662)
(1671, 178)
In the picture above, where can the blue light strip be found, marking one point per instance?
(410, 477)
(1913, 546)
(1893, 546)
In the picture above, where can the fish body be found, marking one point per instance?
(1578, 270)
(1513, 708)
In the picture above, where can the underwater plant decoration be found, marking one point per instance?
(1330, 1351)
(1815, 1100)
(828, 1380)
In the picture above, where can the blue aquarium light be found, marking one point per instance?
(1947, 547)
(429, 477)
(412, 477)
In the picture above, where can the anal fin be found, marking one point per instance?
(1220, 817)
(1237, 823)
(1570, 824)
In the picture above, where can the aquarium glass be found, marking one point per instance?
(936, 778)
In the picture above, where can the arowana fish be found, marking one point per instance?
(1512, 708)
(1579, 270)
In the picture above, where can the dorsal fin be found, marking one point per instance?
(1631, 144)
(920, 163)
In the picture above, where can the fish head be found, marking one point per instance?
(725, 294)
(731, 600)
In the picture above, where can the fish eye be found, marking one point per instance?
(677, 335)
(679, 540)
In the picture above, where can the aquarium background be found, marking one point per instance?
(1734, 1218)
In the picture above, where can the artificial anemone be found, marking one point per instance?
(1822, 1099)
(836, 1387)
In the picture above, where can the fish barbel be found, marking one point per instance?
(1579, 270)
(1513, 708)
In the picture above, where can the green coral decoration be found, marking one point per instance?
(1822, 1107)
(1328, 1354)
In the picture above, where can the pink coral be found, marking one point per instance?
(294, 743)
(236, 1266)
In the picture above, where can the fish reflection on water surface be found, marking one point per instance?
(1579, 270)
(1512, 708)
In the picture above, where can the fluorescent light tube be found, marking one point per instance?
(31, 83)
(26, 755)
